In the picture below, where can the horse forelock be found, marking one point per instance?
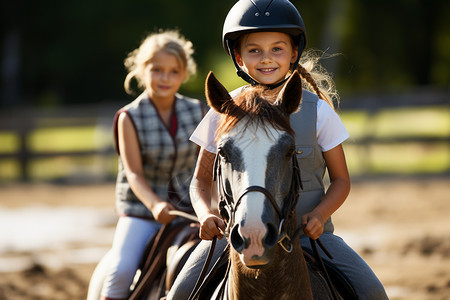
(256, 106)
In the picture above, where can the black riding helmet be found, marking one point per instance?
(262, 15)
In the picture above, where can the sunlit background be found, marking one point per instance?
(62, 81)
(62, 78)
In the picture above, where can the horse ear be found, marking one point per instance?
(216, 94)
(291, 94)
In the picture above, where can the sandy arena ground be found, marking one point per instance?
(400, 226)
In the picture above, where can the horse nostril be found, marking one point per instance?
(271, 236)
(236, 240)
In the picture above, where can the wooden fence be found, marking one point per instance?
(23, 122)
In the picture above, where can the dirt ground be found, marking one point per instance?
(401, 227)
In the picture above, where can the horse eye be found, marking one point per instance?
(225, 150)
(221, 151)
(223, 155)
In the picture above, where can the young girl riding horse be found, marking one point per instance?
(156, 158)
(266, 39)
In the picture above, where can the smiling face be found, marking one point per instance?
(266, 56)
(164, 76)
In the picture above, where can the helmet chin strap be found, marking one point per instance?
(247, 77)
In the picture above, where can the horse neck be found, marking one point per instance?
(286, 277)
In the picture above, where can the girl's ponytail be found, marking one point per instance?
(316, 78)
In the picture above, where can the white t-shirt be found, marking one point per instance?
(330, 129)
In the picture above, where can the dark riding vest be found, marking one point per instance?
(309, 156)
(168, 162)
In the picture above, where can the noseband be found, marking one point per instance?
(227, 206)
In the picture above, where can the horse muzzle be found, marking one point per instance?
(255, 245)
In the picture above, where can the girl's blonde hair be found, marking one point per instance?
(316, 78)
(170, 41)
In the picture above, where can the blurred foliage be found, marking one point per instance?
(64, 52)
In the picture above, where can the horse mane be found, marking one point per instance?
(258, 105)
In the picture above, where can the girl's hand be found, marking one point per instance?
(160, 212)
(312, 225)
(209, 227)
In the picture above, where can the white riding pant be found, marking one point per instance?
(130, 240)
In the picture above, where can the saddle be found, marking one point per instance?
(163, 259)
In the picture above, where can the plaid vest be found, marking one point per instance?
(168, 162)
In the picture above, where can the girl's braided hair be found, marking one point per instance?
(316, 78)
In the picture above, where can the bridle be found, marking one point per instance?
(228, 207)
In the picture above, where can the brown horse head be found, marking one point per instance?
(255, 155)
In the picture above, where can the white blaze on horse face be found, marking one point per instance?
(254, 149)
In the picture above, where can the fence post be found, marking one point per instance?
(24, 152)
